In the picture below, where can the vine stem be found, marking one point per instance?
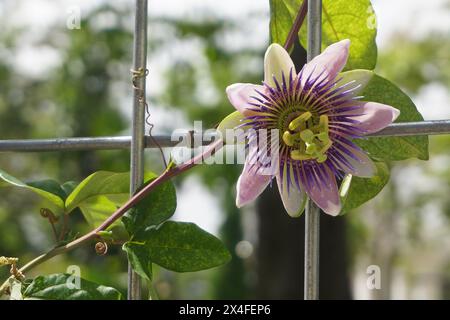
(165, 176)
(299, 19)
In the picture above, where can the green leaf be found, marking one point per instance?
(48, 189)
(99, 195)
(158, 206)
(139, 256)
(95, 210)
(354, 20)
(362, 190)
(68, 187)
(341, 19)
(64, 287)
(101, 183)
(49, 186)
(282, 16)
(184, 247)
(393, 148)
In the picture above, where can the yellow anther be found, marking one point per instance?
(323, 123)
(311, 139)
(300, 120)
(298, 155)
(307, 136)
(288, 139)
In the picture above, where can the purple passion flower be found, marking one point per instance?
(316, 113)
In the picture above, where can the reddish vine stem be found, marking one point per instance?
(55, 233)
(299, 19)
(165, 176)
(63, 230)
(50, 217)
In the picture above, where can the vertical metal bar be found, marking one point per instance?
(312, 212)
(312, 243)
(314, 28)
(138, 122)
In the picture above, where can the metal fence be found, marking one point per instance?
(138, 141)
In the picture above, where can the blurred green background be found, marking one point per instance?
(57, 82)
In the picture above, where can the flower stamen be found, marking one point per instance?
(300, 121)
(299, 155)
(310, 139)
(288, 139)
(307, 136)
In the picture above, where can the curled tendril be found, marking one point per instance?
(136, 75)
(101, 248)
(48, 214)
(16, 273)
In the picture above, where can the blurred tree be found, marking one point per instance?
(416, 63)
(76, 98)
(398, 236)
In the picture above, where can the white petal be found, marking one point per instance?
(227, 128)
(326, 196)
(329, 63)
(363, 167)
(277, 62)
(294, 201)
(250, 183)
(240, 94)
(375, 116)
(360, 79)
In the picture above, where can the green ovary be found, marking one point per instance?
(308, 138)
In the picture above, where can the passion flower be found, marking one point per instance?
(317, 113)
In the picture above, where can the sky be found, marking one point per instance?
(416, 17)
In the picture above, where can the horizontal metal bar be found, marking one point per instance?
(421, 128)
(78, 144)
(434, 127)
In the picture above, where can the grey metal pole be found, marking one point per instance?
(138, 121)
(78, 144)
(312, 244)
(431, 127)
(403, 129)
(97, 143)
(312, 212)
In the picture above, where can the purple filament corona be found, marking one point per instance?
(277, 105)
